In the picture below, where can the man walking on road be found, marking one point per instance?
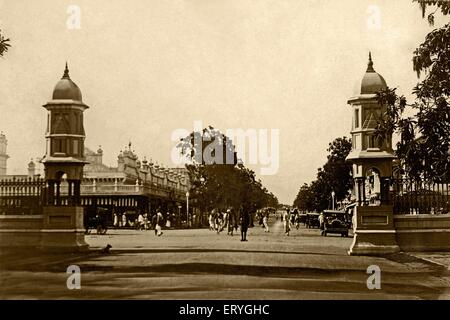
(287, 222)
(159, 223)
(231, 221)
(266, 221)
(245, 221)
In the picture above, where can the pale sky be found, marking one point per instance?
(147, 68)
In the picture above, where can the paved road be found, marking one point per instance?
(200, 264)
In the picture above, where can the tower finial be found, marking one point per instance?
(66, 72)
(370, 64)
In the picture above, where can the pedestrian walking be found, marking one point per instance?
(154, 222)
(140, 222)
(266, 221)
(116, 220)
(231, 221)
(146, 221)
(168, 222)
(287, 222)
(211, 221)
(159, 223)
(217, 220)
(321, 222)
(245, 222)
(124, 220)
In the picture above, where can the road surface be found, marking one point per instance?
(201, 264)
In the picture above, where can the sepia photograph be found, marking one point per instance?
(224, 150)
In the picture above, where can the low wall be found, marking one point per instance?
(424, 232)
(57, 229)
(20, 230)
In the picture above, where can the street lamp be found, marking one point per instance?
(187, 208)
(202, 213)
(332, 196)
(179, 215)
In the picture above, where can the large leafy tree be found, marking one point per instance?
(4, 44)
(305, 198)
(335, 176)
(221, 184)
(423, 149)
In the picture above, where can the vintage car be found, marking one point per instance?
(301, 218)
(96, 220)
(335, 222)
(312, 220)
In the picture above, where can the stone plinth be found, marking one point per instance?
(374, 231)
(63, 229)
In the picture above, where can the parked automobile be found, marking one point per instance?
(312, 220)
(335, 222)
(301, 218)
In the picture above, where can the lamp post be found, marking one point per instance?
(179, 215)
(202, 213)
(332, 197)
(187, 208)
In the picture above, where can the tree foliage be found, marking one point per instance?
(4, 44)
(335, 176)
(442, 5)
(423, 149)
(221, 185)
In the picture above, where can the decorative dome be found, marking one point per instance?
(372, 81)
(66, 89)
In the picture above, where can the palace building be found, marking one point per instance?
(130, 188)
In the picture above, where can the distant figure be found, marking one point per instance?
(287, 222)
(116, 220)
(154, 222)
(140, 221)
(266, 221)
(217, 220)
(119, 217)
(245, 222)
(231, 222)
(211, 221)
(146, 221)
(321, 221)
(124, 220)
(168, 223)
(159, 223)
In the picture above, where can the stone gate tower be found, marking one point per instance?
(372, 169)
(64, 161)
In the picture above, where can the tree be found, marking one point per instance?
(443, 5)
(423, 149)
(305, 198)
(335, 176)
(218, 183)
(4, 44)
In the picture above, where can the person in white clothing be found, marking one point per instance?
(266, 221)
(159, 223)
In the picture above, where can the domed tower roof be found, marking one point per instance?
(372, 82)
(66, 89)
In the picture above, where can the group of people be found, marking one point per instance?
(290, 217)
(142, 222)
(230, 220)
(263, 217)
